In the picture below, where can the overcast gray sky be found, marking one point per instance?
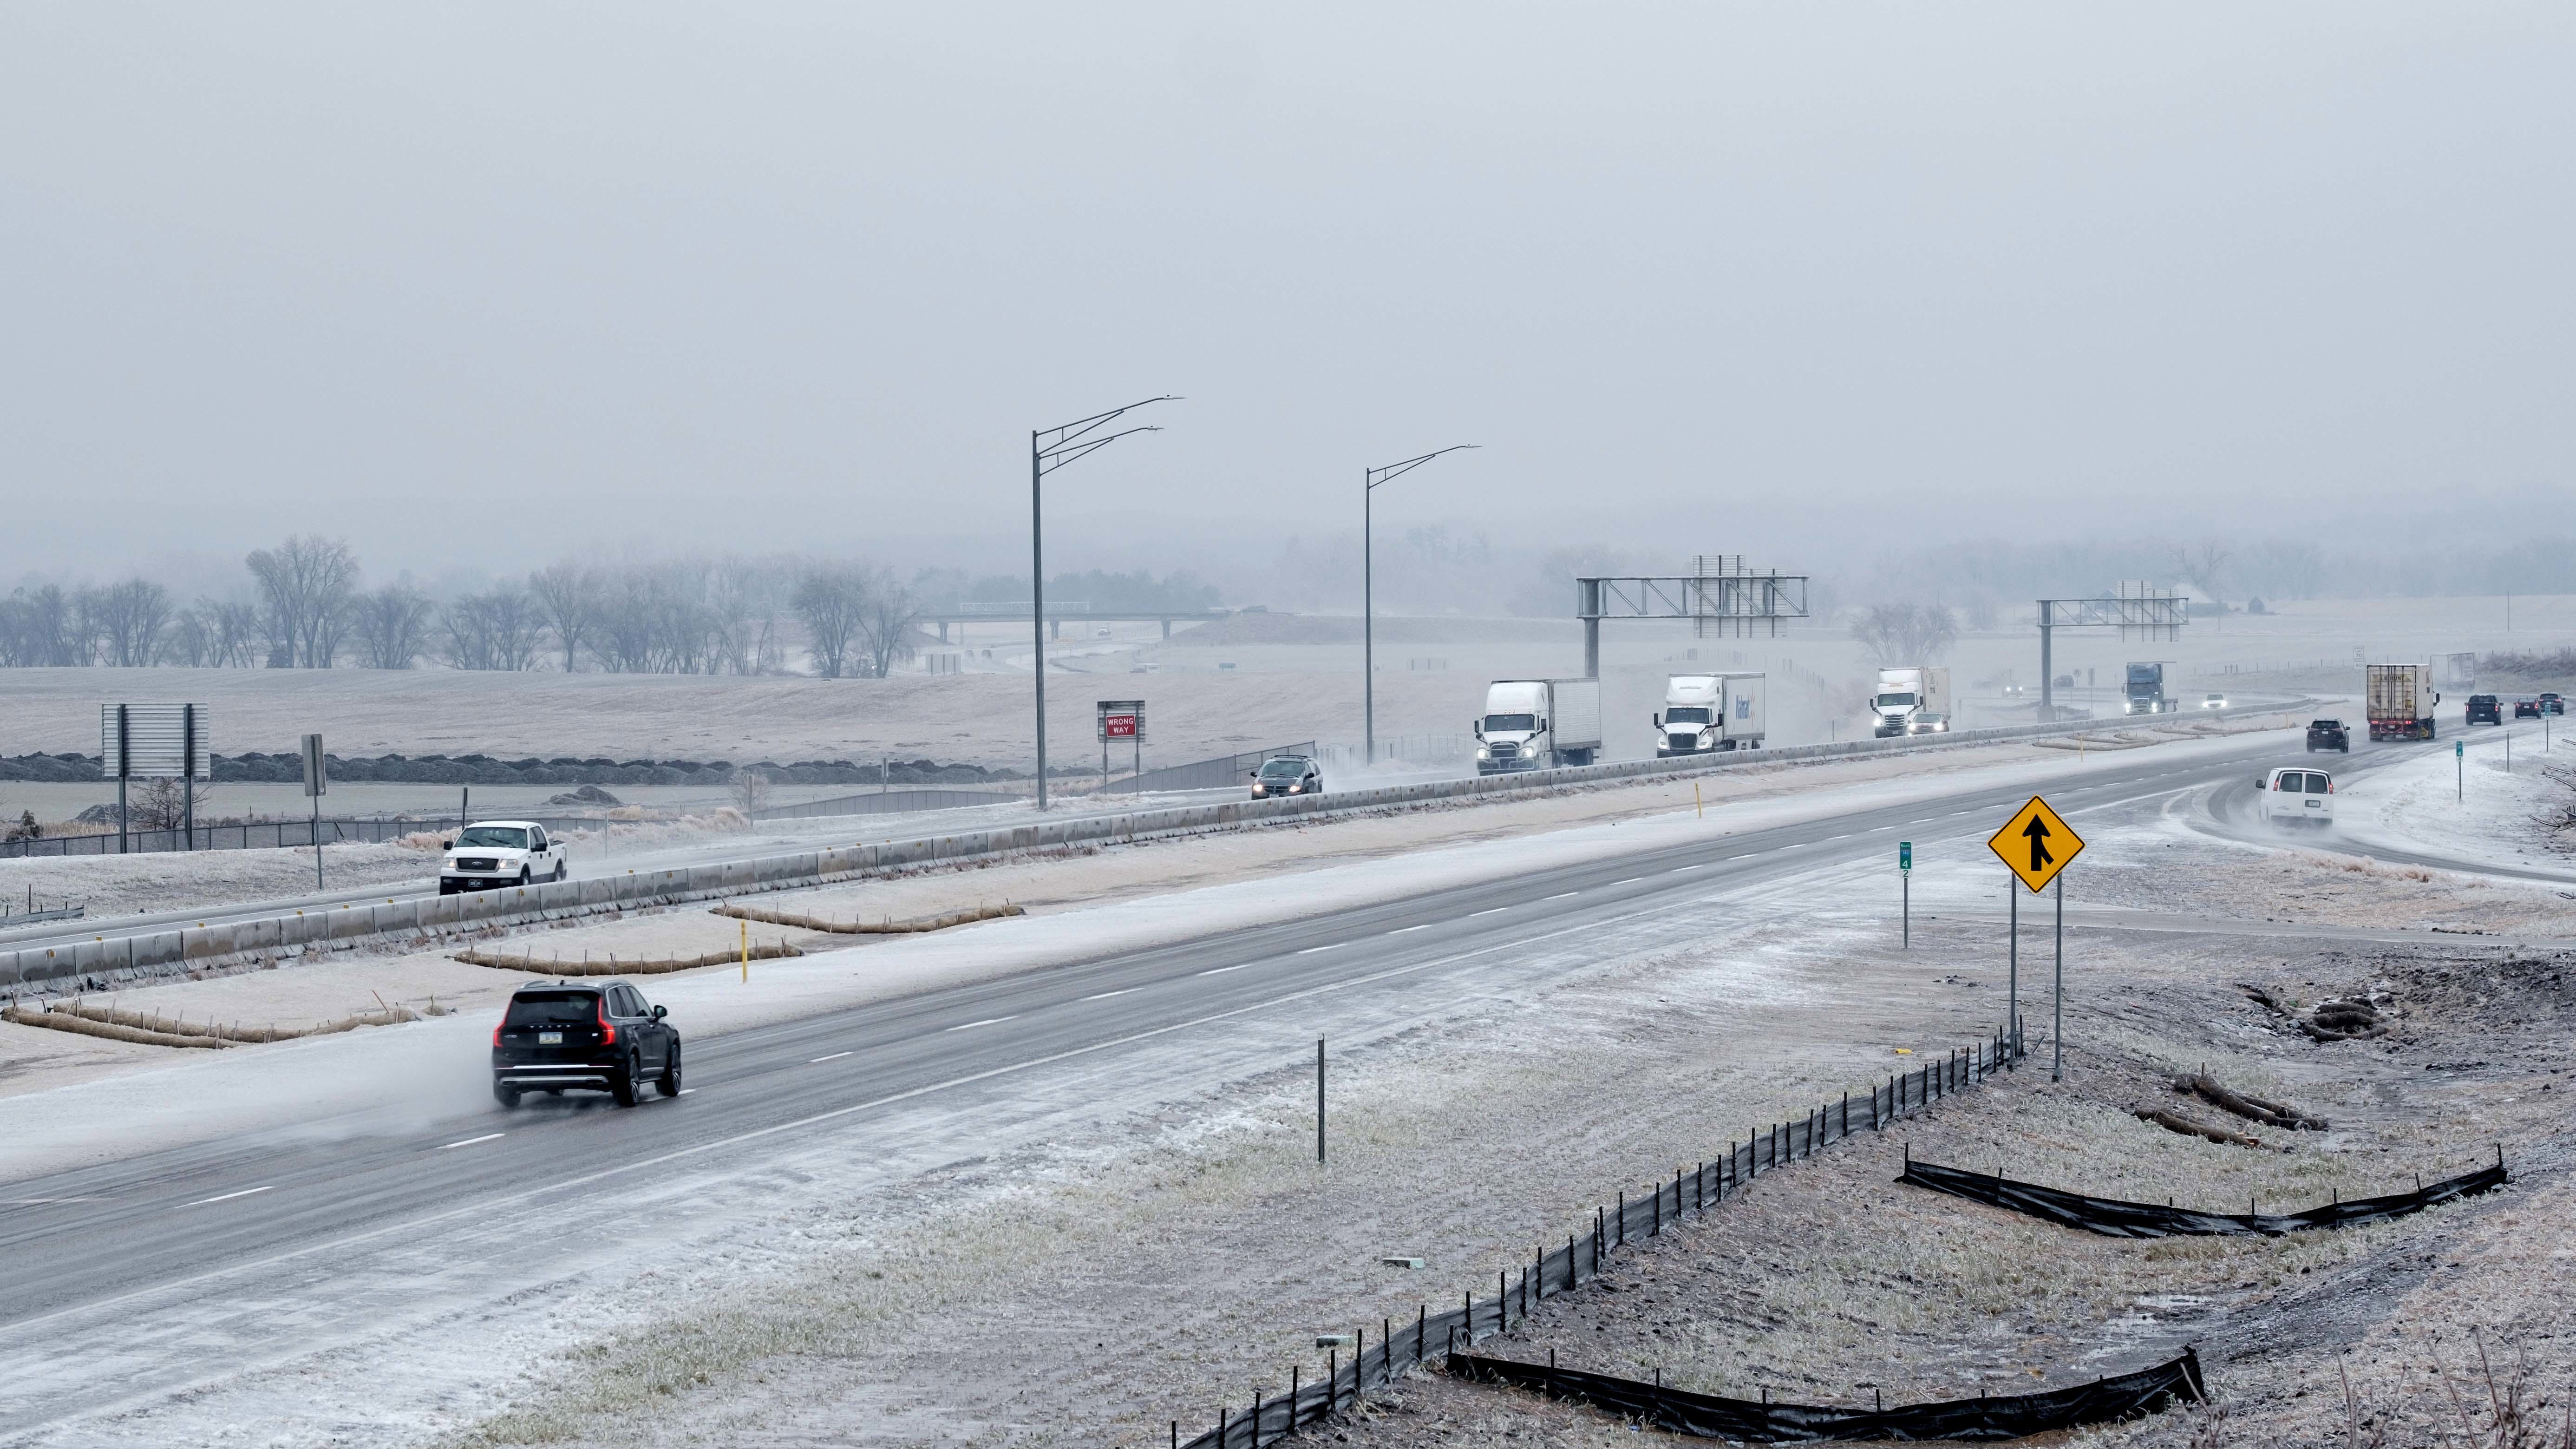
(491, 282)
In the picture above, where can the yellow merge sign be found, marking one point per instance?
(2037, 843)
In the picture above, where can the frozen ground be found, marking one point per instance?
(1156, 1238)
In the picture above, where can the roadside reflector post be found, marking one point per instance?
(1905, 887)
(2057, 1023)
(746, 951)
(1319, 1099)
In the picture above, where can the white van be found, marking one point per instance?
(2299, 797)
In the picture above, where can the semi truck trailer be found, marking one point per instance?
(1911, 699)
(1707, 712)
(2146, 689)
(1532, 724)
(2400, 700)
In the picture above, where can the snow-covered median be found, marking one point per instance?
(2467, 806)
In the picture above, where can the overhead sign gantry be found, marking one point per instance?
(1720, 596)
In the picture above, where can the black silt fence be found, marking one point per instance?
(1400, 1345)
(2116, 1219)
(1706, 1416)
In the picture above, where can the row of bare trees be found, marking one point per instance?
(309, 610)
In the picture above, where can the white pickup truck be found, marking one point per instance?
(492, 853)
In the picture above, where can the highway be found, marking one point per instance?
(364, 1232)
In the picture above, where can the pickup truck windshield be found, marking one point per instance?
(494, 837)
(1896, 701)
(1686, 714)
(1511, 722)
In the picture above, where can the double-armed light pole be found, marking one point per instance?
(1050, 449)
(1368, 585)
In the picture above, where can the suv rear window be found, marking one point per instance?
(553, 1008)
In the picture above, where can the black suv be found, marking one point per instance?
(2328, 734)
(2485, 709)
(593, 1035)
(1287, 775)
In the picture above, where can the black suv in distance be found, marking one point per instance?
(2485, 709)
(2328, 734)
(592, 1035)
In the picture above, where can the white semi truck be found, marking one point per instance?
(1912, 699)
(1707, 712)
(1532, 724)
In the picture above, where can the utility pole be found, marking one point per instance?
(1370, 478)
(1050, 449)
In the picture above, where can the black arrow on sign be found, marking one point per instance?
(2037, 832)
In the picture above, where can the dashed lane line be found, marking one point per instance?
(987, 1021)
(227, 1196)
(470, 1141)
(834, 1057)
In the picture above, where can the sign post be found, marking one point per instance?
(1121, 719)
(317, 783)
(2459, 769)
(154, 742)
(2035, 845)
(1905, 875)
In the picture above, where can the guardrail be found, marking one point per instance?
(430, 918)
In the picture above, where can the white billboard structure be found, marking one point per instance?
(155, 742)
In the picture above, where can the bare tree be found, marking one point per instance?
(1906, 633)
(497, 630)
(2199, 565)
(391, 624)
(750, 792)
(238, 634)
(830, 599)
(42, 630)
(131, 617)
(307, 583)
(889, 622)
(566, 599)
(191, 640)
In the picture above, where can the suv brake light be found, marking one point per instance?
(607, 1029)
(496, 1031)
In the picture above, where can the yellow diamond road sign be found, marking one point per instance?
(2037, 843)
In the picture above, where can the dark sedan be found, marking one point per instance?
(597, 1036)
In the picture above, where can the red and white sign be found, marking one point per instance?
(1122, 719)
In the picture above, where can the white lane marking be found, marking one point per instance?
(1221, 970)
(987, 1021)
(1311, 950)
(1676, 870)
(834, 1057)
(1471, 915)
(1563, 895)
(684, 1091)
(1425, 926)
(1846, 835)
(470, 1141)
(1748, 855)
(1105, 995)
(479, 1209)
(1926, 820)
(1632, 880)
(226, 1197)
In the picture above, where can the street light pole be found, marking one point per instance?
(1050, 449)
(1370, 478)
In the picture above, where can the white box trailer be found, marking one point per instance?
(1703, 713)
(2399, 700)
(1531, 724)
(1912, 699)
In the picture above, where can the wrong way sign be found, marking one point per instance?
(2036, 843)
